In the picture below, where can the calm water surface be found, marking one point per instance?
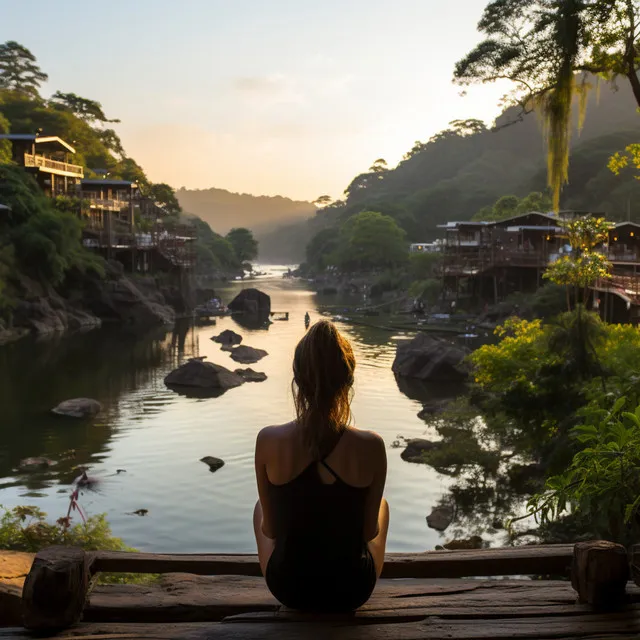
(158, 436)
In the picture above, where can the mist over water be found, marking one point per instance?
(158, 436)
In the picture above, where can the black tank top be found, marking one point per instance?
(321, 561)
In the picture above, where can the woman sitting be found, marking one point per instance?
(321, 521)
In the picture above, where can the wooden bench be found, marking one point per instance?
(427, 595)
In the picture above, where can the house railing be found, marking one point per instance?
(108, 205)
(31, 160)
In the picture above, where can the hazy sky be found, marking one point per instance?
(290, 97)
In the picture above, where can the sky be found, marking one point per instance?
(288, 97)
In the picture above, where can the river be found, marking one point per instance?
(156, 437)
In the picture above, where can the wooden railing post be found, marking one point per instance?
(55, 589)
(599, 572)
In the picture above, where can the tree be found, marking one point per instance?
(323, 201)
(88, 110)
(164, 196)
(321, 247)
(244, 244)
(371, 239)
(18, 69)
(541, 46)
(379, 166)
(584, 265)
(535, 201)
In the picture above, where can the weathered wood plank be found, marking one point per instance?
(55, 589)
(525, 560)
(610, 625)
(189, 598)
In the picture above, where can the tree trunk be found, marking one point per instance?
(631, 54)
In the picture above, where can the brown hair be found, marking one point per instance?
(323, 367)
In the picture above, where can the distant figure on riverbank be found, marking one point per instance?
(321, 521)
(307, 320)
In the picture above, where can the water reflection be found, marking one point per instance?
(102, 364)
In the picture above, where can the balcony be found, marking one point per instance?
(53, 166)
(107, 205)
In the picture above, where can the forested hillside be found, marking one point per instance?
(469, 166)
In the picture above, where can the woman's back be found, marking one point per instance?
(318, 515)
(321, 521)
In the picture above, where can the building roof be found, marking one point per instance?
(107, 183)
(464, 223)
(625, 224)
(33, 137)
(549, 216)
(534, 227)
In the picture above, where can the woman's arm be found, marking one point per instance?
(262, 480)
(378, 457)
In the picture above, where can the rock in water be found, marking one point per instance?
(203, 375)
(228, 338)
(248, 355)
(440, 517)
(28, 464)
(251, 301)
(78, 408)
(214, 463)
(415, 448)
(428, 358)
(249, 375)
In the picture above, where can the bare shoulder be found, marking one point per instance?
(370, 439)
(273, 433)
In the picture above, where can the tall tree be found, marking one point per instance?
(541, 45)
(19, 70)
(88, 110)
(243, 243)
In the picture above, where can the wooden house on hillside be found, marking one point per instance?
(490, 260)
(48, 158)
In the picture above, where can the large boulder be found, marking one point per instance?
(228, 338)
(428, 358)
(247, 355)
(78, 408)
(203, 375)
(251, 301)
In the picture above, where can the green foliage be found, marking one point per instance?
(509, 206)
(538, 376)
(602, 483)
(25, 528)
(584, 265)
(540, 45)
(88, 110)
(424, 265)
(629, 157)
(5, 145)
(428, 290)
(47, 242)
(369, 240)
(321, 248)
(165, 197)
(19, 70)
(213, 252)
(244, 244)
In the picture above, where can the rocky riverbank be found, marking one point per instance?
(86, 301)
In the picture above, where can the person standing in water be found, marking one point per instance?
(321, 521)
(307, 320)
